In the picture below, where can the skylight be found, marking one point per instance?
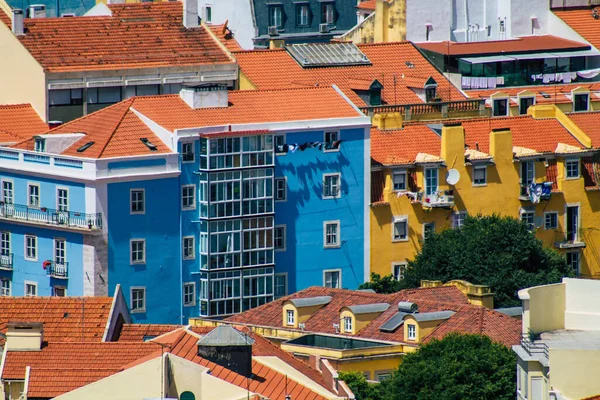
(149, 144)
(327, 54)
(85, 147)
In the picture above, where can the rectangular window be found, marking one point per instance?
(40, 144)
(138, 299)
(332, 141)
(5, 289)
(327, 13)
(59, 291)
(331, 234)
(332, 279)
(383, 376)
(187, 152)
(138, 205)
(527, 175)
(189, 294)
(290, 317)
(348, 324)
(275, 14)
(331, 186)
(551, 220)
(279, 142)
(528, 217)
(30, 247)
(399, 179)
(138, 251)
(5, 243)
(572, 224)
(30, 289)
(400, 229)
(280, 285)
(62, 196)
(431, 181)
(525, 103)
(573, 261)
(188, 197)
(572, 168)
(412, 332)
(398, 270)
(208, 14)
(428, 229)
(302, 15)
(33, 196)
(279, 238)
(480, 175)
(581, 102)
(500, 108)
(60, 255)
(188, 248)
(280, 189)
(7, 192)
(458, 219)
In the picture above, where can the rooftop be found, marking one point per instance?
(582, 22)
(368, 5)
(567, 339)
(544, 94)
(224, 34)
(19, 122)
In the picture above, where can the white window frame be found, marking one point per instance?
(279, 153)
(12, 191)
(9, 241)
(506, 99)
(401, 270)
(284, 230)
(578, 267)
(326, 271)
(399, 173)
(411, 333)
(136, 262)
(588, 101)
(35, 247)
(55, 248)
(144, 299)
(528, 212)
(285, 287)
(348, 324)
(475, 169)
(339, 185)
(546, 214)
(193, 253)
(437, 180)
(276, 180)
(194, 200)
(193, 153)
(39, 195)
(59, 287)
(424, 228)
(193, 294)
(289, 318)
(399, 219)
(8, 290)
(30, 283)
(66, 189)
(337, 133)
(570, 161)
(519, 98)
(338, 241)
(131, 201)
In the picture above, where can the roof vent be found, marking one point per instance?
(37, 11)
(17, 21)
(148, 144)
(407, 307)
(205, 96)
(228, 348)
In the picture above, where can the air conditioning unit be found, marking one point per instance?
(273, 31)
(323, 28)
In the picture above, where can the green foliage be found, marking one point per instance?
(387, 284)
(491, 250)
(456, 367)
(362, 389)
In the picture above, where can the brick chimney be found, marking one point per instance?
(24, 336)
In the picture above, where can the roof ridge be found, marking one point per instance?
(118, 124)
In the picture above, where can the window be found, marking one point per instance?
(500, 107)
(5, 289)
(104, 95)
(188, 248)
(302, 15)
(398, 270)
(527, 176)
(348, 324)
(430, 93)
(331, 233)
(280, 285)
(331, 140)
(7, 192)
(400, 229)
(399, 180)
(528, 217)
(458, 219)
(59, 291)
(573, 261)
(60, 256)
(62, 197)
(5, 244)
(138, 251)
(551, 220)
(572, 223)
(332, 279)
(138, 299)
(279, 142)
(31, 247)
(65, 97)
(189, 294)
(431, 181)
(275, 14)
(428, 229)
(33, 196)
(480, 175)
(331, 186)
(39, 144)
(188, 196)
(30, 289)
(412, 332)
(208, 14)
(187, 152)
(137, 201)
(279, 238)
(525, 103)
(280, 189)
(290, 317)
(572, 168)
(383, 376)
(581, 102)
(327, 13)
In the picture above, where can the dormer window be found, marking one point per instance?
(348, 324)
(290, 317)
(525, 103)
(375, 93)
(412, 332)
(40, 145)
(430, 90)
(581, 102)
(500, 107)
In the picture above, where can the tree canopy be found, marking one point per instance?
(362, 389)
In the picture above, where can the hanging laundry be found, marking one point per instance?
(499, 81)
(491, 83)
(282, 148)
(303, 147)
(589, 74)
(539, 191)
(293, 147)
(336, 144)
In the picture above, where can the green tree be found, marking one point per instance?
(456, 367)
(496, 251)
(362, 389)
(387, 284)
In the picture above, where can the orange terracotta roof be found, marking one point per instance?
(367, 5)
(582, 22)
(525, 44)
(5, 18)
(19, 122)
(141, 35)
(588, 123)
(141, 332)
(397, 147)
(65, 319)
(391, 65)
(544, 94)
(225, 36)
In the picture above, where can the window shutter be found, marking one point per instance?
(412, 181)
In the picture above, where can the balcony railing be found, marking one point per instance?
(56, 270)
(6, 261)
(441, 199)
(422, 111)
(536, 192)
(49, 216)
(534, 347)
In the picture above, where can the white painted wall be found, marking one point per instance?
(582, 304)
(238, 13)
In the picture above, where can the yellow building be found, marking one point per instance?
(494, 162)
(558, 354)
(386, 24)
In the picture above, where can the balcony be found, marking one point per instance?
(49, 216)
(536, 192)
(535, 348)
(56, 270)
(431, 110)
(6, 262)
(441, 199)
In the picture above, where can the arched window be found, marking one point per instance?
(187, 396)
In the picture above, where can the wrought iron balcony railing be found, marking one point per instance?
(56, 270)
(49, 216)
(6, 261)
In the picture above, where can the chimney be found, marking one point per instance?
(206, 96)
(37, 11)
(17, 22)
(228, 348)
(190, 13)
(24, 336)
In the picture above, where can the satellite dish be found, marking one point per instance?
(452, 176)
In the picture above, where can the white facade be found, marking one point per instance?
(239, 15)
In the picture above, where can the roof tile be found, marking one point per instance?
(19, 122)
(582, 21)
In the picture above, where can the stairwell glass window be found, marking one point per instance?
(331, 186)
(581, 102)
(480, 175)
(187, 152)
(33, 191)
(188, 197)
(412, 332)
(348, 324)
(279, 238)
(138, 251)
(500, 107)
(5, 288)
(400, 229)
(431, 181)
(31, 247)
(572, 168)
(137, 197)
(551, 220)
(138, 299)
(327, 13)
(280, 189)
(189, 294)
(331, 234)
(62, 197)
(399, 180)
(302, 11)
(188, 248)
(7, 192)
(332, 279)
(290, 317)
(276, 16)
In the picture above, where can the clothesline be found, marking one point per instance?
(292, 148)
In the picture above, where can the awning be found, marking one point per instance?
(534, 56)
(583, 53)
(486, 59)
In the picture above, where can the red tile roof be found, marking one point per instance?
(525, 44)
(367, 5)
(396, 147)
(140, 332)
(588, 123)
(582, 21)
(225, 36)
(141, 35)
(394, 65)
(19, 122)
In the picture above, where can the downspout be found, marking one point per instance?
(180, 244)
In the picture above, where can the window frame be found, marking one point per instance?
(32, 284)
(325, 141)
(7, 251)
(338, 242)
(183, 247)
(26, 252)
(193, 204)
(347, 324)
(399, 172)
(12, 191)
(529, 213)
(193, 294)
(338, 176)
(283, 275)
(571, 161)
(283, 228)
(208, 13)
(577, 268)
(480, 168)
(400, 219)
(587, 101)
(496, 109)
(425, 224)
(275, 145)
(8, 289)
(59, 287)
(144, 300)
(299, 15)
(55, 249)
(326, 7)
(290, 321)
(183, 154)
(462, 215)
(426, 179)
(521, 98)
(131, 260)
(272, 16)
(58, 201)
(548, 214)
(411, 335)
(401, 270)
(276, 181)
(131, 201)
(331, 271)
(39, 195)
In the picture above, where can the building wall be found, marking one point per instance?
(582, 299)
(239, 17)
(544, 309)
(574, 372)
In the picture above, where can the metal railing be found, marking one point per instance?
(49, 216)
(56, 270)
(444, 108)
(6, 261)
(534, 347)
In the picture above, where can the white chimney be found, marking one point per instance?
(37, 11)
(24, 336)
(17, 22)
(190, 13)
(212, 96)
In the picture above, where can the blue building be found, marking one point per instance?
(206, 203)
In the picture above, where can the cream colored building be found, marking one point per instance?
(558, 357)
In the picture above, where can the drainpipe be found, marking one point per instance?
(181, 243)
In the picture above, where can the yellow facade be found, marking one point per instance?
(386, 24)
